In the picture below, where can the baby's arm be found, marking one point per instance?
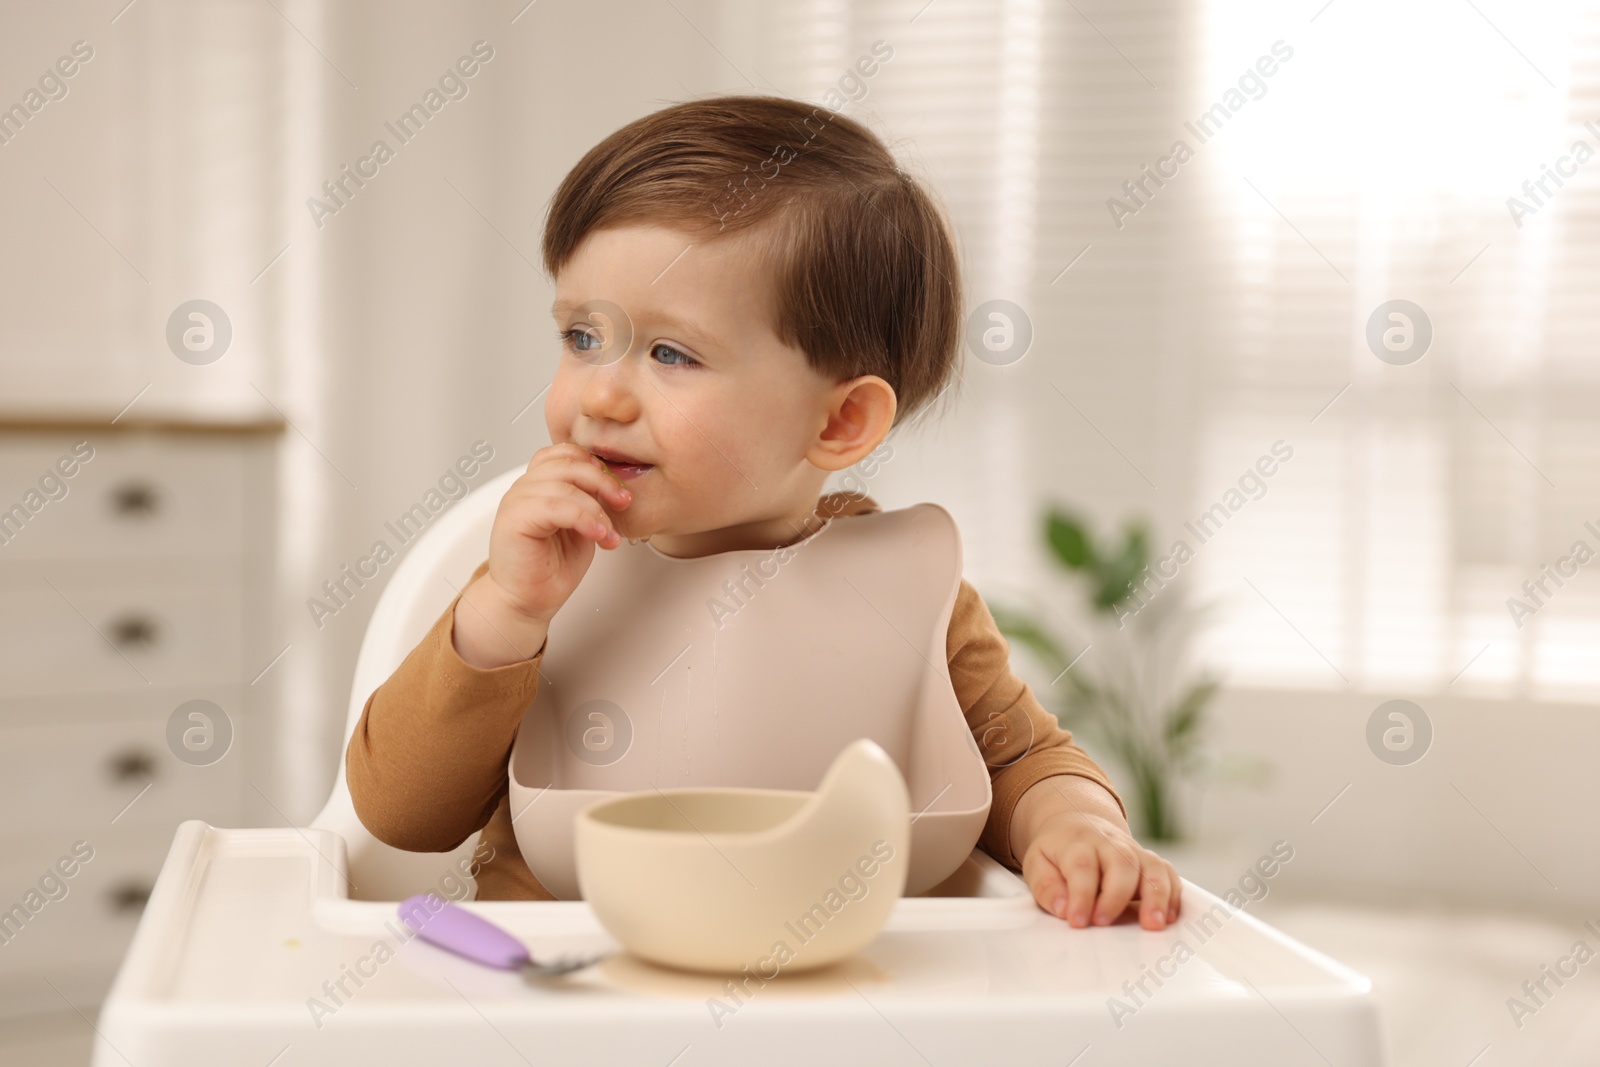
(1053, 805)
(427, 762)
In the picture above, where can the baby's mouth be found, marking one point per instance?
(624, 468)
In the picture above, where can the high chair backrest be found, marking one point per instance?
(427, 578)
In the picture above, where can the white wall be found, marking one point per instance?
(1501, 809)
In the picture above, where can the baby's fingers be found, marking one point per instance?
(1159, 889)
(569, 463)
(1045, 881)
(1119, 877)
(562, 506)
(1080, 867)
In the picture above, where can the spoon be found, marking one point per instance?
(458, 930)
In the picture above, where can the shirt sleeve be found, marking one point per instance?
(1020, 741)
(427, 762)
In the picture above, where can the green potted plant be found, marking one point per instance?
(1130, 695)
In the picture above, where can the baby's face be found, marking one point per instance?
(705, 393)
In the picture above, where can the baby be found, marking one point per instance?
(750, 294)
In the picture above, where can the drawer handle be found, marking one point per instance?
(132, 765)
(128, 898)
(135, 500)
(134, 631)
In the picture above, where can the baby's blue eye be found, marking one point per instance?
(681, 360)
(580, 340)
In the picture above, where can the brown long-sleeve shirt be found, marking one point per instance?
(427, 764)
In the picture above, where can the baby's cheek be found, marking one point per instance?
(703, 469)
(560, 408)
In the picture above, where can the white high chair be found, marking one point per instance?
(254, 950)
(422, 586)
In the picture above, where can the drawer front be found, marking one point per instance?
(136, 497)
(74, 776)
(73, 638)
(77, 939)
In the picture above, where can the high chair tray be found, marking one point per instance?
(252, 952)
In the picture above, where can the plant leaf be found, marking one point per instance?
(1184, 722)
(1068, 540)
(1116, 575)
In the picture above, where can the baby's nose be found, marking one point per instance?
(610, 393)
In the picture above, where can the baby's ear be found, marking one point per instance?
(859, 414)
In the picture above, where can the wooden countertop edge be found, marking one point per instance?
(85, 424)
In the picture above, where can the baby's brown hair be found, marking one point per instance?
(867, 276)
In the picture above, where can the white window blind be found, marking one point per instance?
(1428, 492)
(1230, 308)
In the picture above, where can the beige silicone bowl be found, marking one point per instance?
(719, 879)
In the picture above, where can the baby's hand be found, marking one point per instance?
(539, 550)
(1082, 867)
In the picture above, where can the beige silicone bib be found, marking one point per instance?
(755, 668)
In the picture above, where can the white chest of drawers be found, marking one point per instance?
(128, 588)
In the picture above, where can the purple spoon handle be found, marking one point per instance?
(457, 930)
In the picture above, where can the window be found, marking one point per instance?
(1360, 154)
